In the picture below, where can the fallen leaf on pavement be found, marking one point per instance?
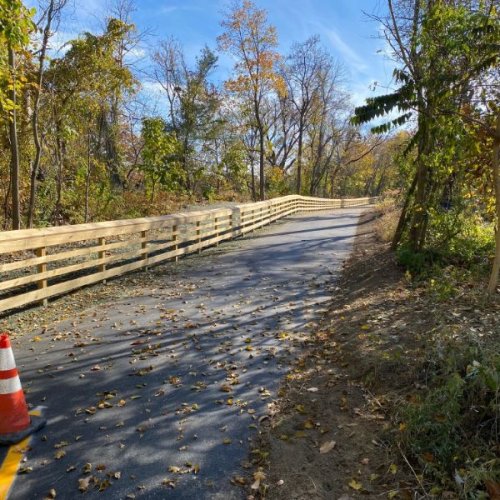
(355, 485)
(258, 477)
(84, 483)
(168, 482)
(51, 494)
(328, 446)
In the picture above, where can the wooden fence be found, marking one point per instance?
(36, 264)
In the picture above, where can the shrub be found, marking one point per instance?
(453, 430)
(417, 263)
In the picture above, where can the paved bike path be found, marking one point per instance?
(160, 394)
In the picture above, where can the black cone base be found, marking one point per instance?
(13, 438)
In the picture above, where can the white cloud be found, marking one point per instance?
(153, 96)
(59, 41)
(152, 87)
(136, 53)
(359, 92)
(168, 9)
(349, 55)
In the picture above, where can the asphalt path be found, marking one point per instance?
(160, 395)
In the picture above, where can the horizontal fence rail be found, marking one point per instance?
(36, 264)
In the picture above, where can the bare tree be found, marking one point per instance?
(282, 134)
(327, 122)
(50, 16)
(169, 71)
(302, 73)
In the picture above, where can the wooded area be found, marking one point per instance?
(79, 146)
(79, 143)
(448, 88)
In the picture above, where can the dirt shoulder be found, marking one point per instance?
(335, 433)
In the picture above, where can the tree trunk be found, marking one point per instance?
(185, 163)
(153, 188)
(381, 183)
(14, 146)
(418, 226)
(112, 145)
(6, 205)
(333, 174)
(59, 178)
(325, 186)
(262, 185)
(419, 211)
(87, 178)
(299, 156)
(369, 184)
(254, 194)
(34, 119)
(492, 285)
(403, 217)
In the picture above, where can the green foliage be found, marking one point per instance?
(418, 264)
(380, 106)
(469, 247)
(194, 111)
(16, 26)
(94, 156)
(432, 423)
(232, 170)
(90, 68)
(15, 23)
(447, 61)
(442, 288)
(462, 237)
(451, 431)
(85, 88)
(276, 184)
(160, 156)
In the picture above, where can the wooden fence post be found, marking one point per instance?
(174, 238)
(41, 268)
(144, 245)
(198, 233)
(100, 255)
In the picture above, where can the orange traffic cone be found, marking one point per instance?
(15, 421)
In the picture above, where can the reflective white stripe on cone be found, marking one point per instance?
(7, 361)
(10, 385)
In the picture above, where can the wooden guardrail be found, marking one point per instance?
(36, 264)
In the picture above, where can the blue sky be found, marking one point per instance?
(344, 29)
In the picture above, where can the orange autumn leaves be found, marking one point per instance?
(253, 42)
